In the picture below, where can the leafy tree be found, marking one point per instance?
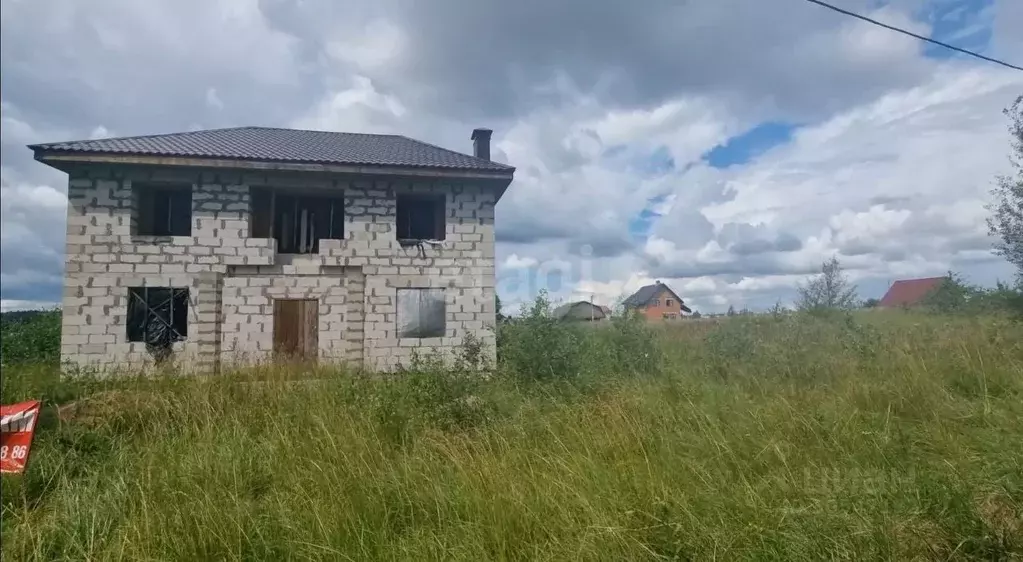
(871, 303)
(830, 290)
(696, 314)
(1007, 220)
(731, 310)
(956, 296)
(497, 309)
(1004, 298)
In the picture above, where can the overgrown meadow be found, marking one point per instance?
(865, 435)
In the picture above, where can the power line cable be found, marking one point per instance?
(911, 34)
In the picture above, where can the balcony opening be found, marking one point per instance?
(296, 221)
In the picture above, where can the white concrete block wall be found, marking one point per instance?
(233, 278)
(104, 259)
(463, 265)
(95, 334)
(247, 312)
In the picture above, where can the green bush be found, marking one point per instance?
(956, 296)
(30, 337)
(635, 345)
(426, 394)
(539, 347)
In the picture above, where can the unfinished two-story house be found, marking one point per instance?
(234, 246)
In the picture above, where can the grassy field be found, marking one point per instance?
(874, 436)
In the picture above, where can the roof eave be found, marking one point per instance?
(63, 160)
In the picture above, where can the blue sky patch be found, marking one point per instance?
(640, 225)
(747, 146)
(962, 23)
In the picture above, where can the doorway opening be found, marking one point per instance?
(296, 334)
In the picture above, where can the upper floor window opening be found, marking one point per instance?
(162, 209)
(419, 217)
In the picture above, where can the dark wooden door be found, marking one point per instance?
(295, 329)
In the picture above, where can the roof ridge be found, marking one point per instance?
(319, 131)
(216, 130)
(431, 145)
(152, 136)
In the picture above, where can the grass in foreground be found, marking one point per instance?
(892, 437)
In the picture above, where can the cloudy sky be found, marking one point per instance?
(726, 147)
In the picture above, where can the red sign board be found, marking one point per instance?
(17, 427)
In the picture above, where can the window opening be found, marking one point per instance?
(157, 316)
(163, 210)
(421, 313)
(419, 217)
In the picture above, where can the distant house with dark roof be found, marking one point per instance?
(657, 302)
(582, 311)
(245, 244)
(910, 292)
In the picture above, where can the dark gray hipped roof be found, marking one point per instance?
(285, 145)
(642, 296)
(580, 310)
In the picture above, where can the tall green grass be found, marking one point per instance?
(881, 436)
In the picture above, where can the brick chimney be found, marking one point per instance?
(481, 143)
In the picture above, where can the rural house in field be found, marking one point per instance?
(910, 292)
(656, 302)
(582, 311)
(232, 245)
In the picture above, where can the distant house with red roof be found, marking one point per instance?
(910, 292)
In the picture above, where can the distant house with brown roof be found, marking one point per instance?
(657, 302)
(583, 311)
(910, 292)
